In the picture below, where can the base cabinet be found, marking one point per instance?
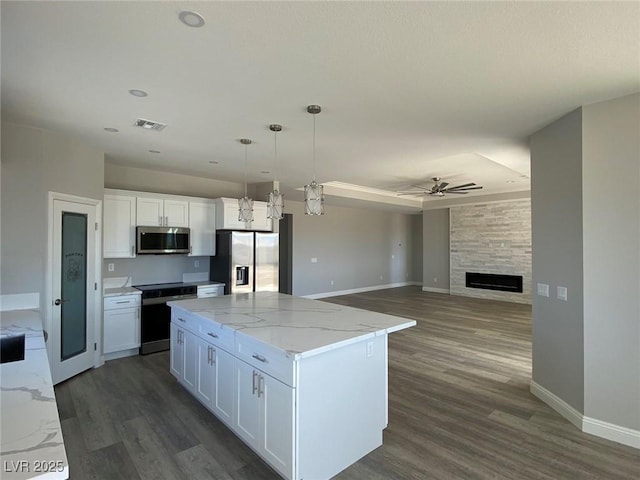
(184, 356)
(264, 416)
(121, 325)
(214, 387)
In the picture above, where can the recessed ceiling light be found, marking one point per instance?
(213, 162)
(138, 93)
(510, 181)
(191, 19)
(154, 151)
(111, 130)
(265, 171)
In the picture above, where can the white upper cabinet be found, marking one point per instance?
(227, 216)
(119, 226)
(157, 211)
(202, 222)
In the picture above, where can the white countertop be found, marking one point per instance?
(299, 326)
(31, 444)
(116, 291)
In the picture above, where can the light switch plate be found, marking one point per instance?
(562, 293)
(543, 290)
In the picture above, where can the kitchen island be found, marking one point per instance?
(302, 382)
(31, 443)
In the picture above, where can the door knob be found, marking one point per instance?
(58, 301)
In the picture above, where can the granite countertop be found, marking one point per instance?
(31, 444)
(116, 291)
(300, 327)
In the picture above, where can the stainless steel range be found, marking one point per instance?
(156, 315)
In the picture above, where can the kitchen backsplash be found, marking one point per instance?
(149, 269)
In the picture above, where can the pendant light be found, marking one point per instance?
(275, 202)
(245, 204)
(314, 192)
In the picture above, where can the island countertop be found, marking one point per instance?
(31, 444)
(300, 327)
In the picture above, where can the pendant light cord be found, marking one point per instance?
(314, 147)
(245, 170)
(275, 156)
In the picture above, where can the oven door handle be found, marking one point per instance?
(161, 300)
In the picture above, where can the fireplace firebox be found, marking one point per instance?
(492, 281)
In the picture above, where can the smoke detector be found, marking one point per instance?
(150, 124)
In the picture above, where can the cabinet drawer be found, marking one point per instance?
(210, 291)
(185, 320)
(213, 333)
(266, 358)
(121, 301)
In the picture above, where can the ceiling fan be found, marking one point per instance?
(439, 189)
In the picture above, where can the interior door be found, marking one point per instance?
(73, 288)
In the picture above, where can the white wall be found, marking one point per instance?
(34, 162)
(611, 222)
(435, 254)
(354, 247)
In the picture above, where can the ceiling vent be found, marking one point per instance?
(150, 125)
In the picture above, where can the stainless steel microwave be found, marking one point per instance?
(159, 240)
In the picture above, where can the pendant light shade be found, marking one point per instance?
(245, 204)
(275, 202)
(314, 192)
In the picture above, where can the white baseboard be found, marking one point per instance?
(435, 290)
(20, 301)
(559, 405)
(359, 290)
(121, 354)
(609, 431)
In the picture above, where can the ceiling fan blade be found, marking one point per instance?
(410, 193)
(461, 186)
(442, 186)
(455, 191)
(463, 189)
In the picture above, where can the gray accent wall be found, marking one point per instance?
(611, 252)
(435, 249)
(556, 220)
(147, 269)
(355, 248)
(415, 274)
(35, 162)
(492, 238)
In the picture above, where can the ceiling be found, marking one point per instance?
(409, 90)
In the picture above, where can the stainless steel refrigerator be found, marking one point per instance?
(246, 262)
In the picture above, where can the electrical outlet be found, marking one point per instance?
(196, 263)
(392, 256)
(562, 293)
(369, 349)
(435, 279)
(380, 277)
(331, 282)
(314, 260)
(111, 267)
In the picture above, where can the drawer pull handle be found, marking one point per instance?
(182, 320)
(211, 334)
(254, 388)
(260, 358)
(123, 301)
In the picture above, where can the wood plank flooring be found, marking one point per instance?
(459, 408)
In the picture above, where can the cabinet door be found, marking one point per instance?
(206, 373)
(260, 220)
(202, 222)
(228, 218)
(121, 329)
(277, 423)
(223, 391)
(176, 213)
(119, 226)
(177, 351)
(150, 212)
(246, 421)
(190, 345)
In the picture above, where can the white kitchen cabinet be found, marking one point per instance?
(119, 226)
(215, 290)
(184, 356)
(264, 416)
(214, 386)
(121, 326)
(227, 216)
(202, 222)
(158, 211)
(176, 349)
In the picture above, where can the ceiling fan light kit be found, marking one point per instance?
(314, 192)
(245, 204)
(275, 201)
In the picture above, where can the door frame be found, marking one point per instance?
(48, 305)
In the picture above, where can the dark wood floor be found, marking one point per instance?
(459, 408)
